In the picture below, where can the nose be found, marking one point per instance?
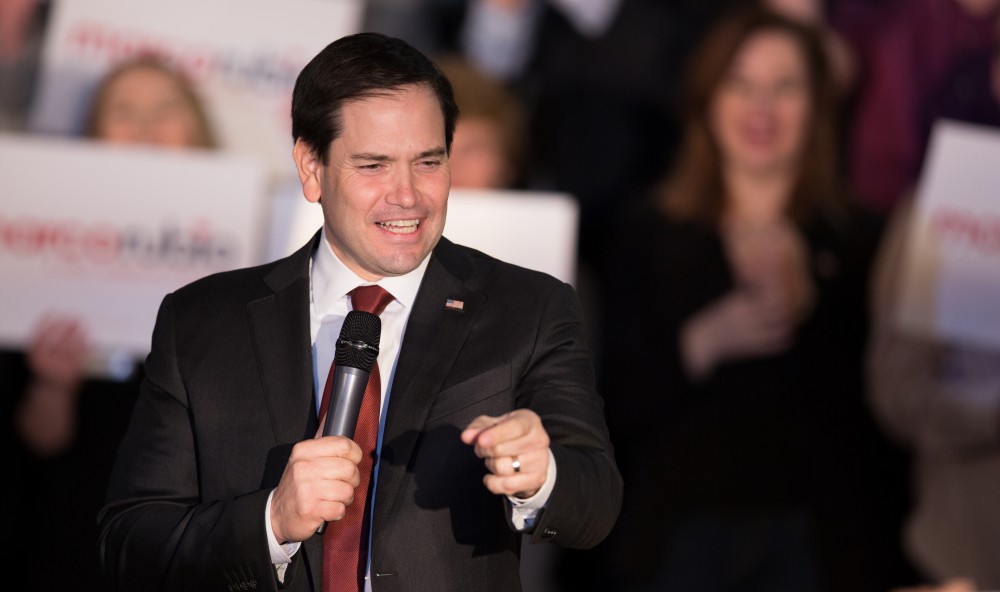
(144, 125)
(404, 191)
(762, 97)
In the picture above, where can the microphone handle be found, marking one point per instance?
(346, 393)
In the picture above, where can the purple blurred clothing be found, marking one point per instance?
(968, 94)
(919, 45)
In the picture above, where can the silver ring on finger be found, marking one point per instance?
(515, 463)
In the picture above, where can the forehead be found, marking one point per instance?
(143, 83)
(769, 51)
(143, 75)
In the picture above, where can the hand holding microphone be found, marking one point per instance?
(357, 352)
(321, 476)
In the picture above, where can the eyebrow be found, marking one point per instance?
(371, 156)
(439, 151)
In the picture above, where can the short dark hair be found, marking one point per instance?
(355, 67)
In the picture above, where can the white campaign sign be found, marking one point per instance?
(951, 267)
(103, 233)
(536, 230)
(242, 55)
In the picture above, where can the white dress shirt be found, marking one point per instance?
(330, 282)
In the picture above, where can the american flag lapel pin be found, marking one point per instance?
(452, 304)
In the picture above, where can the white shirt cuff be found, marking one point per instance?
(524, 512)
(281, 553)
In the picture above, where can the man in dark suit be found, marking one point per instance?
(490, 424)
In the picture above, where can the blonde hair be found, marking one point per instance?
(204, 135)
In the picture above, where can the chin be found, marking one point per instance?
(766, 161)
(401, 264)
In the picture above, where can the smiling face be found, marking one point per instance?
(384, 189)
(760, 111)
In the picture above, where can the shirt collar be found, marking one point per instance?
(332, 280)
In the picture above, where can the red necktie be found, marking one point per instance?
(345, 541)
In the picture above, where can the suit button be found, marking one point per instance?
(548, 533)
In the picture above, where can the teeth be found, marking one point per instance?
(400, 226)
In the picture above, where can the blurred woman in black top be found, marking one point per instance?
(736, 328)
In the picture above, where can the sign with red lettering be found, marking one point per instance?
(242, 55)
(951, 268)
(103, 233)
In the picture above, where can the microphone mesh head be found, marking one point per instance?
(357, 345)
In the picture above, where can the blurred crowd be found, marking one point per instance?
(745, 171)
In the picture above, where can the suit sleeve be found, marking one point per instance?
(558, 385)
(156, 531)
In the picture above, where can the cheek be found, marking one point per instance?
(724, 116)
(476, 168)
(434, 194)
(477, 155)
(795, 114)
(117, 130)
(178, 131)
(435, 188)
(351, 201)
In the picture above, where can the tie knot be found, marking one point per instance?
(371, 299)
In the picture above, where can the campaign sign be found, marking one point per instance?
(951, 267)
(103, 233)
(537, 230)
(242, 55)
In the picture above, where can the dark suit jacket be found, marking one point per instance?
(229, 390)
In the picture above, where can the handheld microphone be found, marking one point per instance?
(356, 354)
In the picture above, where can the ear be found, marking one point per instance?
(310, 170)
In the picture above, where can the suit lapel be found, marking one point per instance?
(433, 339)
(280, 328)
(280, 325)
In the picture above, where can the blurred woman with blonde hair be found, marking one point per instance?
(66, 423)
(145, 101)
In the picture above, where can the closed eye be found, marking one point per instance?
(432, 159)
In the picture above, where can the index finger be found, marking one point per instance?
(470, 434)
(338, 446)
(503, 429)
